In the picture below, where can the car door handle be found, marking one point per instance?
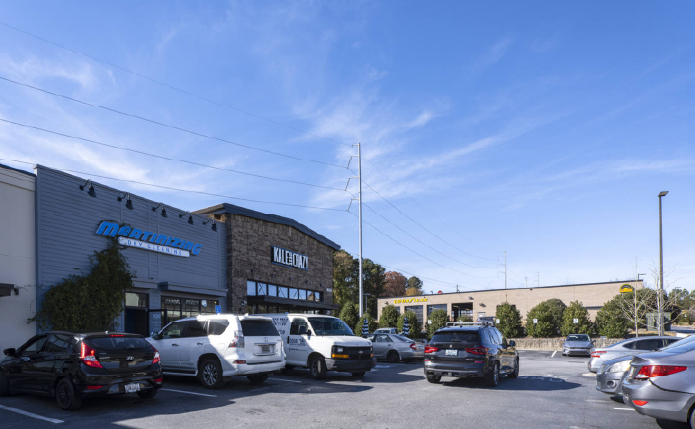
(175, 345)
(200, 344)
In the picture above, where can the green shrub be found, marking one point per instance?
(350, 314)
(415, 326)
(545, 326)
(610, 321)
(371, 323)
(558, 309)
(509, 320)
(576, 311)
(389, 317)
(464, 318)
(438, 319)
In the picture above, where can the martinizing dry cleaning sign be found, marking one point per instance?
(141, 239)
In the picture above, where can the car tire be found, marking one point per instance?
(210, 374)
(515, 373)
(317, 367)
(358, 374)
(492, 378)
(147, 394)
(4, 385)
(257, 378)
(393, 356)
(436, 379)
(66, 395)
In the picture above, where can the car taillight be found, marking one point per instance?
(156, 358)
(117, 335)
(94, 387)
(88, 358)
(158, 380)
(640, 403)
(480, 350)
(649, 371)
(596, 354)
(238, 340)
(429, 349)
(412, 346)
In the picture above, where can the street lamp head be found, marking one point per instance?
(663, 194)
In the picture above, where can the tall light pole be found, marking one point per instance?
(359, 174)
(661, 270)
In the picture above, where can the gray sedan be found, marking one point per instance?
(577, 344)
(662, 384)
(629, 347)
(395, 348)
(609, 378)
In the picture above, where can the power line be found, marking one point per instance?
(180, 190)
(175, 88)
(185, 130)
(167, 159)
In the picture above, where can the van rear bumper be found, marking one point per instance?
(347, 365)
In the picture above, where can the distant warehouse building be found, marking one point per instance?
(484, 302)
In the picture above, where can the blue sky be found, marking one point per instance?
(544, 129)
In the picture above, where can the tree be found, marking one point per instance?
(394, 284)
(371, 323)
(389, 317)
(576, 311)
(412, 292)
(558, 309)
(350, 315)
(544, 315)
(92, 301)
(610, 321)
(345, 275)
(372, 284)
(415, 325)
(464, 318)
(414, 286)
(635, 305)
(438, 319)
(509, 320)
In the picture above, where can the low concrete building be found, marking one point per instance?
(484, 302)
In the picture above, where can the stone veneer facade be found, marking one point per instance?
(249, 243)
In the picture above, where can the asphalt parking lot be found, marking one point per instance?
(551, 391)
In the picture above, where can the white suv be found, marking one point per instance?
(214, 348)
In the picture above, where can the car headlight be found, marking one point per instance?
(338, 349)
(619, 366)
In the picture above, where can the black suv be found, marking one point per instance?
(476, 351)
(73, 366)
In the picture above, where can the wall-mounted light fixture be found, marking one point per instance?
(190, 217)
(214, 224)
(90, 192)
(128, 203)
(470, 297)
(482, 305)
(164, 211)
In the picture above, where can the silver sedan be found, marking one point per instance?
(629, 347)
(395, 348)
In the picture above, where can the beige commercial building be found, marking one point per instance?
(484, 302)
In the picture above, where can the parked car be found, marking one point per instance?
(215, 348)
(395, 348)
(75, 366)
(470, 351)
(610, 377)
(386, 331)
(323, 343)
(577, 344)
(629, 347)
(662, 384)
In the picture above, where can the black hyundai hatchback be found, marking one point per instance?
(470, 350)
(73, 366)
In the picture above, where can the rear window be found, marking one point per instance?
(459, 337)
(217, 327)
(258, 328)
(108, 344)
(402, 338)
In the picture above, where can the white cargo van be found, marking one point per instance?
(216, 347)
(323, 343)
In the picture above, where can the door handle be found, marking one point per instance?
(175, 345)
(200, 344)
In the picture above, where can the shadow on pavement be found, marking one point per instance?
(521, 383)
(670, 424)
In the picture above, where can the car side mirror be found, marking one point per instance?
(10, 352)
(154, 335)
(302, 330)
(512, 343)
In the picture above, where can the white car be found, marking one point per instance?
(386, 331)
(214, 348)
(323, 343)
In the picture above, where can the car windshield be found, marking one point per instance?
(330, 326)
(577, 337)
(458, 337)
(685, 343)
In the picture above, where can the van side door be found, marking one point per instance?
(298, 349)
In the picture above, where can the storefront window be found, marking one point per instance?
(134, 299)
(294, 293)
(431, 308)
(319, 296)
(302, 294)
(250, 288)
(310, 295)
(173, 307)
(191, 307)
(207, 306)
(417, 309)
(178, 308)
(283, 292)
(272, 290)
(261, 288)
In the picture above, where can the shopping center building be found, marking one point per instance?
(481, 303)
(222, 259)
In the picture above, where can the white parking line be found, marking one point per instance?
(28, 414)
(190, 393)
(283, 379)
(628, 409)
(553, 355)
(589, 374)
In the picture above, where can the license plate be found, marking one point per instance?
(132, 388)
(265, 349)
(452, 353)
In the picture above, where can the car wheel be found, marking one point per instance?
(358, 374)
(515, 373)
(692, 418)
(4, 385)
(492, 378)
(393, 356)
(147, 394)
(257, 378)
(317, 367)
(210, 374)
(66, 396)
(436, 379)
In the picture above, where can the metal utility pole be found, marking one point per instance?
(359, 199)
(661, 270)
(635, 293)
(538, 279)
(505, 276)
(526, 278)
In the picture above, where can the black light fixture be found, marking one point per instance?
(190, 217)
(214, 224)
(91, 192)
(128, 203)
(164, 211)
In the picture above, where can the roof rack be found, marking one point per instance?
(484, 323)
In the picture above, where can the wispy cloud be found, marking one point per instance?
(493, 55)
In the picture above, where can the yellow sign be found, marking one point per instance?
(626, 288)
(408, 301)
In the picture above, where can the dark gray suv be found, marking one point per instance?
(472, 351)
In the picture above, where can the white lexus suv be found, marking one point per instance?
(216, 347)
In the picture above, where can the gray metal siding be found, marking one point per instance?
(68, 217)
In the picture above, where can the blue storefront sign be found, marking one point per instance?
(147, 240)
